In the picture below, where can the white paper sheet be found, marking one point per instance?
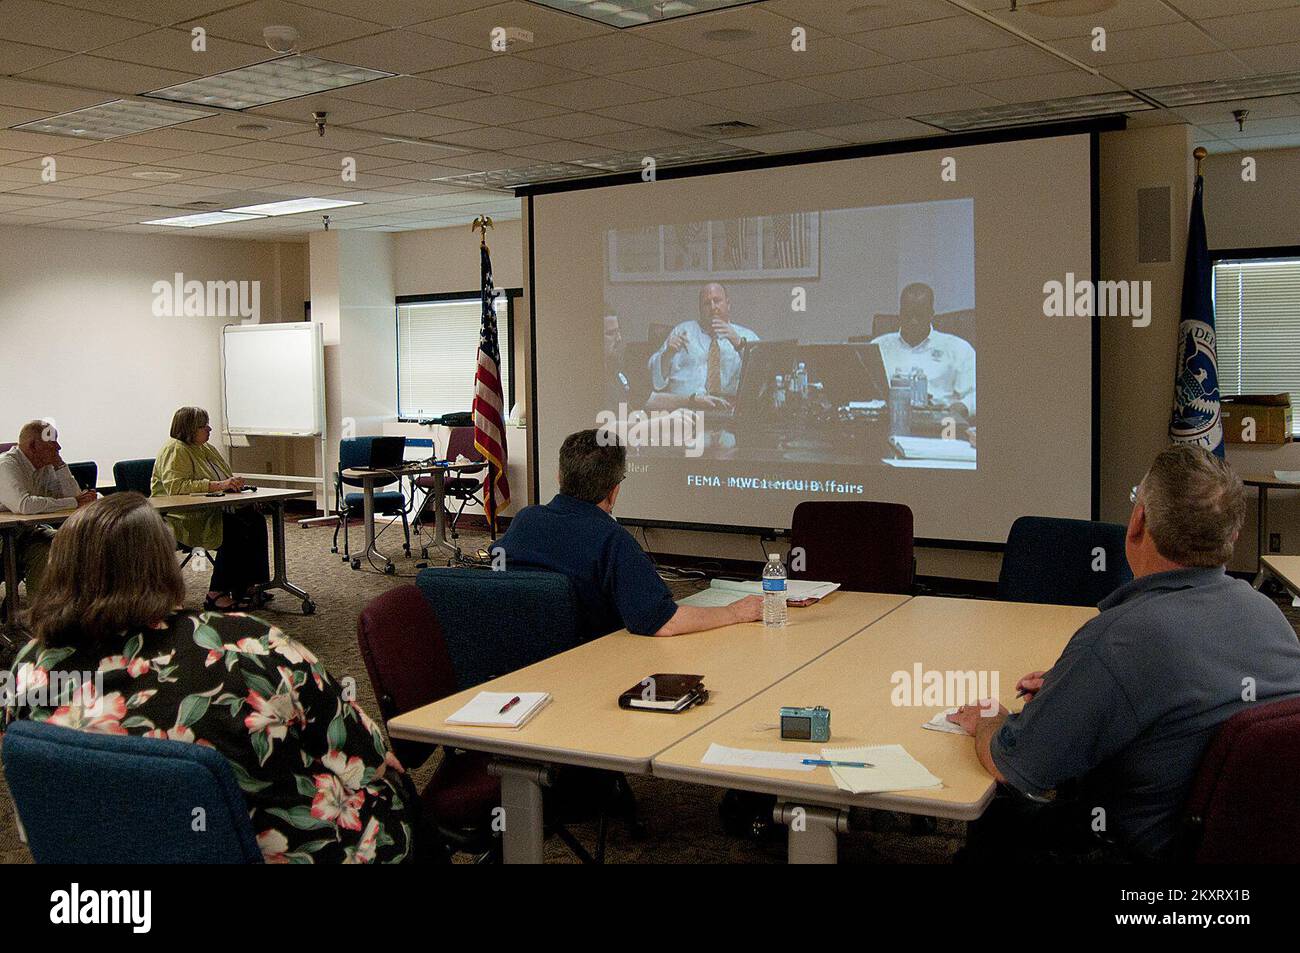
(895, 770)
(751, 758)
(940, 722)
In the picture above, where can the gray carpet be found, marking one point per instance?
(681, 820)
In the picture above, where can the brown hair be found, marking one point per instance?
(186, 423)
(1194, 504)
(112, 568)
(592, 463)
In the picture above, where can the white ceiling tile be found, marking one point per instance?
(963, 34)
(718, 32)
(876, 81)
(315, 27)
(48, 24)
(1252, 143)
(184, 139)
(13, 115)
(560, 151)
(1126, 15)
(881, 130)
(590, 94)
(405, 93)
(18, 57)
(1249, 29)
(610, 53)
(827, 114)
(397, 12)
(400, 51)
(989, 65)
(58, 190)
(1274, 58)
(151, 11)
(948, 99)
(1178, 69)
(676, 113)
(474, 27)
(366, 160)
(335, 139)
(764, 96)
(213, 163)
(494, 138)
(637, 139)
(1047, 86)
(570, 126)
(1147, 43)
(92, 71)
(271, 151)
(416, 125)
(125, 152)
(853, 16)
(173, 49)
(495, 110)
(32, 95)
(699, 77)
(1266, 108)
(785, 142)
(503, 74)
(824, 54)
(339, 111)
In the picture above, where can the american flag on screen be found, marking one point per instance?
(489, 404)
(790, 240)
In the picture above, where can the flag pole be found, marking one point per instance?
(1199, 154)
(481, 225)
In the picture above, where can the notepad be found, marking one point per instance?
(940, 722)
(752, 758)
(894, 770)
(484, 709)
(796, 590)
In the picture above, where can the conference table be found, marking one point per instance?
(1263, 482)
(369, 478)
(1286, 570)
(840, 653)
(12, 523)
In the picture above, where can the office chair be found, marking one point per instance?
(454, 629)
(7, 446)
(1242, 809)
(465, 489)
(86, 474)
(133, 475)
(354, 453)
(1052, 561)
(87, 798)
(864, 546)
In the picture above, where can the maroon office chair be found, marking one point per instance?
(1243, 806)
(463, 488)
(864, 546)
(406, 658)
(7, 446)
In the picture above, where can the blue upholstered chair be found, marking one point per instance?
(354, 453)
(1052, 560)
(135, 475)
(87, 798)
(86, 474)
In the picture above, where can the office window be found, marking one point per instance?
(437, 352)
(1257, 324)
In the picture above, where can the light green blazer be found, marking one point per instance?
(188, 468)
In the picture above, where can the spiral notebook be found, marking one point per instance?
(484, 709)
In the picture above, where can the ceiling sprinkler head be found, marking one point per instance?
(1240, 115)
(325, 219)
(320, 122)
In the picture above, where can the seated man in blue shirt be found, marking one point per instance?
(615, 582)
(1125, 714)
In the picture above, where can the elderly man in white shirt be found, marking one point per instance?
(698, 366)
(34, 479)
(947, 360)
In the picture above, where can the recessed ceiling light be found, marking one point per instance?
(155, 175)
(270, 82)
(291, 206)
(1051, 110)
(1223, 90)
(121, 117)
(252, 127)
(203, 218)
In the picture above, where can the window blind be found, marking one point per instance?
(1257, 326)
(437, 355)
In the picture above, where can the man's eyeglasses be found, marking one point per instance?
(1133, 494)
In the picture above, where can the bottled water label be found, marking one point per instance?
(774, 585)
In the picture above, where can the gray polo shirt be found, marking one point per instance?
(1133, 701)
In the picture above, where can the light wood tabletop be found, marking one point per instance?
(1286, 569)
(166, 504)
(856, 682)
(583, 724)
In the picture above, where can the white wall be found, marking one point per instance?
(79, 341)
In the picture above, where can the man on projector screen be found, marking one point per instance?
(1123, 717)
(947, 360)
(615, 582)
(698, 366)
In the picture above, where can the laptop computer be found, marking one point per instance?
(387, 453)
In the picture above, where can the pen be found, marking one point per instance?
(509, 705)
(1022, 693)
(837, 764)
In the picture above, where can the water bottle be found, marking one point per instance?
(900, 405)
(774, 610)
(920, 388)
(778, 393)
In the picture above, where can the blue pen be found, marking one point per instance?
(837, 764)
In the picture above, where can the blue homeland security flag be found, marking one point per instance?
(1196, 376)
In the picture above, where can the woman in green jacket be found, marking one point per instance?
(188, 463)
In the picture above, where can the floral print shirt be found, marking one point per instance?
(321, 784)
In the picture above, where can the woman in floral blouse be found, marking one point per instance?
(320, 782)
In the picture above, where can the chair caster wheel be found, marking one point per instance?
(308, 607)
(334, 549)
(390, 570)
(424, 552)
(356, 563)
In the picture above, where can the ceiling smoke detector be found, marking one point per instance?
(281, 39)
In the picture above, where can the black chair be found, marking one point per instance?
(86, 474)
(862, 545)
(1063, 562)
(354, 454)
(133, 475)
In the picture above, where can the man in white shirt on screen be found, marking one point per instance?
(947, 360)
(698, 366)
(34, 479)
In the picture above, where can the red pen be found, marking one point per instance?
(509, 705)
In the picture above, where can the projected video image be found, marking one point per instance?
(843, 336)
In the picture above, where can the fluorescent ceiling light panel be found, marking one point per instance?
(625, 13)
(121, 117)
(291, 206)
(1051, 110)
(1223, 90)
(271, 82)
(203, 218)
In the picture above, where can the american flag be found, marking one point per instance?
(489, 413)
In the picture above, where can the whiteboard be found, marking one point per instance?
(273, 378)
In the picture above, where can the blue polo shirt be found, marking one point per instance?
(1133, 701)
(615, 582)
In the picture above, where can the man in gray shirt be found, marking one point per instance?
(33, 480)
(1126, 712)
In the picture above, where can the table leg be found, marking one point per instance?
(280, 577)
(521, 803)
(440, 514)
(813, 831)
(10, 621)
(1261, 521)
(368, 494)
